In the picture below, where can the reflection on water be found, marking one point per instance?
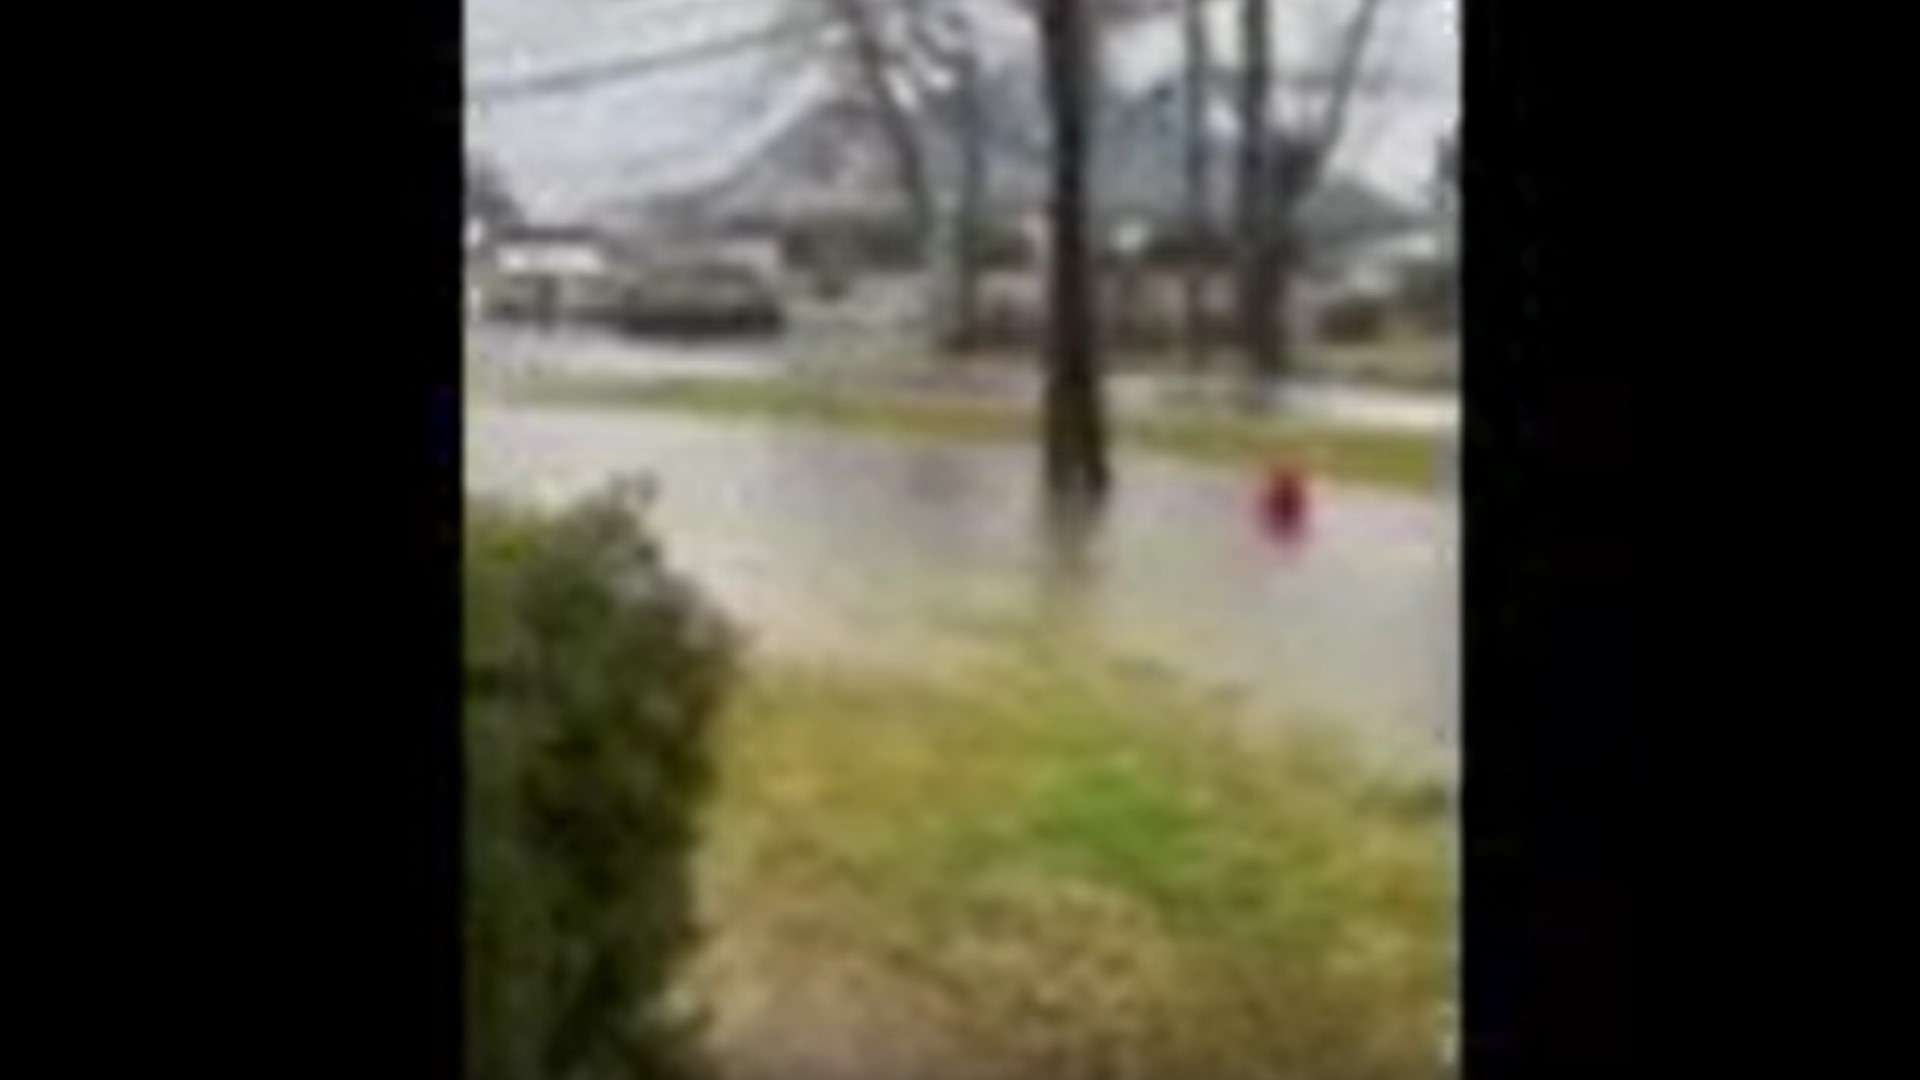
(819, 539)
(1068, 572)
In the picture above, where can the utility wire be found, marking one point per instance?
(588, 76)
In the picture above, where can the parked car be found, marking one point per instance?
(699, 298)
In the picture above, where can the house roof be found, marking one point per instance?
(831, 163)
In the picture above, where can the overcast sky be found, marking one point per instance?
(565, 153)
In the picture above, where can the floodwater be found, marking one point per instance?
(515, 350)
(508, 350)
(821, 539)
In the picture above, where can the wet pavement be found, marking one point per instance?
(817, 539)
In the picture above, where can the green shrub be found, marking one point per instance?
(592, 677)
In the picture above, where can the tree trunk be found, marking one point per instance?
(1294, 174)
(1260, 330)
(1075, 438)
(1199, 231)
(1278, 360)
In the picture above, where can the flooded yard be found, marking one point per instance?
(821, 540)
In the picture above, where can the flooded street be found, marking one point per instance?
(837, 306)
(824, 540)
(522, 352)
(516, 350)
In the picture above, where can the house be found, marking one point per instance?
(542, 272)
(1376, 268)
(830, 169)
(825, 189)
(552, 274)
(555, 251)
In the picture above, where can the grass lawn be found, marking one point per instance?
(1061, 866)
(1384, 458)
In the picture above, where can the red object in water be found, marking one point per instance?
(1283, 504)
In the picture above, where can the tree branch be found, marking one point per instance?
(873, 66)
(1325, 136)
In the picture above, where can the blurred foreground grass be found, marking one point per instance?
(1058, 866)
(1395, 459)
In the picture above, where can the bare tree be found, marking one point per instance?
(898, 57)
(488, 198)
(1253, 263)
(867, 54)
(1199, 76)
(1075, 437)
(944, 35)
(1446, 204)
(1446, 170)
(973, 186)
(1281, 165)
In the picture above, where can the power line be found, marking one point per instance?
(586, 76)
(647, 7)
